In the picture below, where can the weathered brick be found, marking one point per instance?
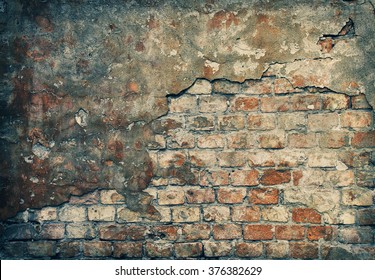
(201, 122)
(334, 140)
(206, 195)
(111, 197)
(217, 249)
(87, 199)
(274, 104)
(264, 196)
(290, 232)
(41, 249)
(165, 232)
(227, 231)
(126, 250)
(16, 250)
(261, 121)
(245, 214)
(264, 86)
(356, 235)
(306, 215)
(231, 195)
(80, 231)
(301, 140)
(69, 249)
(241, 140)
(200, 86)
(244, 103)
(244, 178)
(249, 250)
(357, 197)
(188, 250)
(165, 125)
(232, 159)
(180, 139)
(275, 140)
(282, 86)
(364, 139)
(185, 214)
(183, 104)
(340, 178)
(20, 232)
(292, 121)
(231, 122)
(126, 215)
(171, 158)
(333, 101)
(46, 214)
(214, 178)
(322, 159)
(101, 213)
(171, 196)
(159, 249)
(305, 102)
(277, 250)
(165, 213)
(158, 142)
(356, 119)
(284, 158)
(72, 214)
(304, 250)
(216, 213)
(52, 231)
(258, 232)
(366, 216)
(315, 233)
(212, 104)
(275, 177)
(113, 232)
(203, 158)
(226, 87)
(360, 102)
(196, 231)
(211, 141)
(263, 159)
(275, 214)
(315, 121)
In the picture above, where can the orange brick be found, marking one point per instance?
(275, 177)
(231, 195)
(319, 232)
(306, 215)
(290, 232)
(305, 102)
(258, 232)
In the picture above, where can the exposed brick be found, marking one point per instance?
(305, 102)
(306, 215)
(80, 231)
(171, 158)
(315, 233)
(334, 140)
(340, 178)
(196, 231)
(290, 232)
(356, 119)
(301, 140)
(211, 141)
(111, 197)
(249, 250)
(282, 86)
(41, 249)
(101, 213)
(201, 123)
(126, 215)
(245, 178)
(203, 158)
(322, 159)
(171, 196)
(227, 231)
(241, 140)
(159, 250)
(277, 250)
(157, 143)
(183, 214)
(245, 214)
(212, 104)
(261, 121)
(15, 250)
(360, 102)
(87, 199)
(333, 101)
(263, 159)
(275, 177)
(274, 104)
(183, 104)
(127, 250)
(264, 86)
(188, 250)
(216, 213)
(214, 178)
(258, 232)
(231, 159)
(275, 140)
(366, 216)
(297, 175)
(165, 232)
(200, 195)
(264, 196)
(46, 214)
(357, 197)
(120, 232)
(20, 232)
(217, 249)
(72, 214)
(315, 121)
(364, 139)
(200, 86)
(275, 214)
(165, 125)
(356, 235)
(231, 195)
(69, 249)
(226, 87)
(52, 231)
(244, 103)
(231, 122)
(304, 250)
(180, 139)
(292, 121)
(284, 158)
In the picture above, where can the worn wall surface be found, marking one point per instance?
(178, 129)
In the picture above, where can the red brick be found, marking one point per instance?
(188, 250)
(214, 178)
(304, 102)
(272, 141)
(304, 250)
(227, 231)
(127, 250)
(158, 250)
(297, 175)
(232, 159)
(249, 250)
(364, 139)
(241, 103)
(211, 141)
(300, 140)
(334, 140)
(275, 177)
(315, 233)
(261, 121)
(290, 232)
(97, 249)
(230, 195)
(274, 104)
(244, 178)
(196, 231)
(258, 232)
(245, 214)
(231, 122)
(306, 215)
(356, 119)
(264, 196)
(200, 195)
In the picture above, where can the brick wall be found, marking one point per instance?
(252, 170)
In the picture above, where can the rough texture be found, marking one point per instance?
(134, 121)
